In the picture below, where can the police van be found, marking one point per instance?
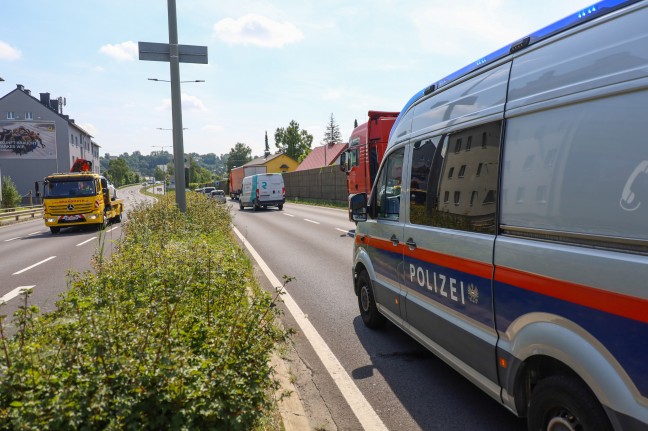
(507, 230)
(262, 190)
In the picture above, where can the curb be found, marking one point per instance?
(289, 402)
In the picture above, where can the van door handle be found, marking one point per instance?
(394, 240)
(411, 243)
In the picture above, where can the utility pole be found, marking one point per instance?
(175, 54)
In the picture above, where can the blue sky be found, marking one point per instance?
(270, 61)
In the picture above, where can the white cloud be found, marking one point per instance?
(189, 103)
(125, 51)
(213, 128)
(8, 52)
(253, 29)
(332, 94)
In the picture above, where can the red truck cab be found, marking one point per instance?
(367, 146)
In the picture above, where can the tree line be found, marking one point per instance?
(136, 167)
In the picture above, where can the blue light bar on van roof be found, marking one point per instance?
(601, 8)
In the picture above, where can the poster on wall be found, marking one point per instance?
(27, 140)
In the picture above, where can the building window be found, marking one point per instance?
(457, 146)
(462, 171)
(479, 168)
(29, 116)
(11, 115)
(473, 197)
(457, 198)
(469, 143)
(450, 172)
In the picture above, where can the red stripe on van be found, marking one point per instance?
(610, 302)
(473, 267)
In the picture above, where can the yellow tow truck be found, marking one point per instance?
(79, 198)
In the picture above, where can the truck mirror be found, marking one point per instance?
(343, 158)
(358, 207)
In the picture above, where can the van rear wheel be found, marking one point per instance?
(367, 304)
(564, 403)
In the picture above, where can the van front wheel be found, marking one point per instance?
(367, 304)
(565, 403)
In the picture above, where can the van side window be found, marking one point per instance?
(430, 203)
(388, 187)
(590, 177)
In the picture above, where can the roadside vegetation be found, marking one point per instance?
(169, 333)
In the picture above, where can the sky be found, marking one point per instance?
(269, 62)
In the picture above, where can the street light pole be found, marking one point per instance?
(176, 108)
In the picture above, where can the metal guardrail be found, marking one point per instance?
(9, 214)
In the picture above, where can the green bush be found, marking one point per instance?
(10, 196)
(170, 333)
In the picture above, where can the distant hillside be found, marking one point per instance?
(145, 165)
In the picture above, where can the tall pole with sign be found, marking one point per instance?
(176, 108)
(175, 54)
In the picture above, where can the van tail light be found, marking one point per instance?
(283, 191)
(257, 193)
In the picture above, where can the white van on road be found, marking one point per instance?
(507, 229)
(262, 190)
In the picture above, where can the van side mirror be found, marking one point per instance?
(358, 207)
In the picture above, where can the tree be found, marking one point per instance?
(10, 196)
(239, 155)
(293, 142)
(332, 134)
(119, 172)
(159, 174)
(266, 153)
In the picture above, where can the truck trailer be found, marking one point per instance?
(237, 175)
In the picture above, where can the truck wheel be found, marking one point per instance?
(565, 403)
(241, 207)
(256, 207)
(117, 218)
(55, 230)
(368, 309)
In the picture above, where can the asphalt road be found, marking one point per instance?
(405, 385)
(30, 256)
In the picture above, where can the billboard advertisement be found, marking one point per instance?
(27, 140)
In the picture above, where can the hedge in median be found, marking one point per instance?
(170, 333)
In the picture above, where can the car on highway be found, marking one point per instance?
(218, 196)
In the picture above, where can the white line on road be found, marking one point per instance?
(34, 233)
(11, 295)
(289, 215)
(12, 239)
(34, 265)
(345, 231)
(367, 416)
(311, 221)
(86, 241)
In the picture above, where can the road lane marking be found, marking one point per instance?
(35, 233)
(11, 295)
(311, 221)
(367, 416)
(289, 215)
(12, 239)
(86, 241)
(34, 265)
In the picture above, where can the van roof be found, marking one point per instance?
(577, 18)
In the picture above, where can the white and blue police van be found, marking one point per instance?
(262, 190)
(507, 230)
